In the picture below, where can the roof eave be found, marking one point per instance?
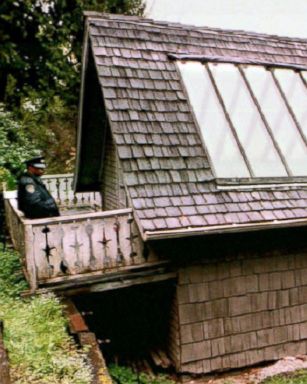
(81, 101)
(221, 229)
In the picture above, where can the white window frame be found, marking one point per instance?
(301, 72)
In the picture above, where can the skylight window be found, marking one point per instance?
(253, 120)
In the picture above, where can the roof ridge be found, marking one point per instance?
(90, 15)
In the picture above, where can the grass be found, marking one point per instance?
(297, 377)
(125, 375)
(35, 333)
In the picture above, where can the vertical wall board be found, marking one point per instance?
(174, 334)
(112, 185)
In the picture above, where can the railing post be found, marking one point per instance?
(29, 255)
(11, 219)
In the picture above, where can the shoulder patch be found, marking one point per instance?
(30, 188)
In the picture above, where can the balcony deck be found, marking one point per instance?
(83, 249)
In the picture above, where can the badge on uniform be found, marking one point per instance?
(30, 188)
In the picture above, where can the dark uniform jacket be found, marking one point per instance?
(34, 199)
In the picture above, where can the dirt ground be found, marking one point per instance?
(254, 375)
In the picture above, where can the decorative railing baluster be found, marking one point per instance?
(64, 267)
(61, 188)
(58, 190)
(48, 250)
(105, 248)
(66, 192)
(49, 184)
(82, 198)
(71, 191)
(89, 231)
(119, 254)
(75, 199)
(78, 263)
(131, 238)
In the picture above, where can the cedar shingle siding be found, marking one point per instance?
(241, 312)
(241, 299)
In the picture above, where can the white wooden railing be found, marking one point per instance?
(83, 243)
(65, 247)
(60, 186)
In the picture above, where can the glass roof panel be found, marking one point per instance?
(296, 94)
(279, 119)
(247, 121)
(304, 75)
(218, 138)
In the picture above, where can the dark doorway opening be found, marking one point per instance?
(132, 324)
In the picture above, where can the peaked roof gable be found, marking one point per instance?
(166, 170)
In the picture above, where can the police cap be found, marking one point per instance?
(36, 162)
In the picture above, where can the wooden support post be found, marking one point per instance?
(29, 256)
(79, 328)
(4, 361)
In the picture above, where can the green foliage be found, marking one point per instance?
(12, 281)
(41, 45)
(39, 347)
(297, 377)
(125, 375)
(53, 125)
(15, 147)
(40, 62)
(40, 350)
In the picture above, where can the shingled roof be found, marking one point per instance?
(167, 174)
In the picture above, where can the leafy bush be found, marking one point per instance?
(40, 350)
(39, 126)
(15, 147)
(54, 126)
(125, 375)
(44, 127)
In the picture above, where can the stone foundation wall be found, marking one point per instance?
(241, 311)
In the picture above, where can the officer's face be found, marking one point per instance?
(36, 171)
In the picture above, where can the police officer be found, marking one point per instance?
(33, 197)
